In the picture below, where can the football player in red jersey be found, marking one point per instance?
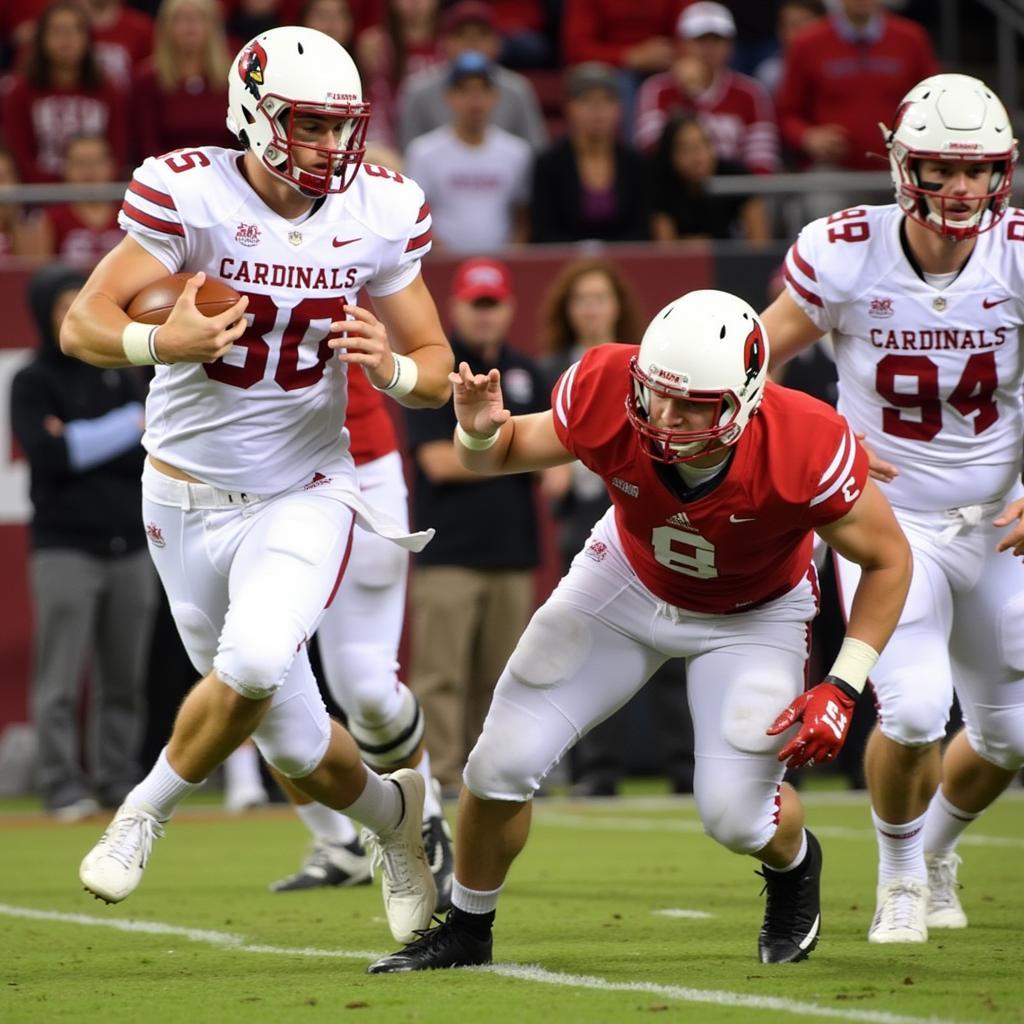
(704, 555)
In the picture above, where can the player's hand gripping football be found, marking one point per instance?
(364, 341)
(479, 406)
(188, 336)
(825, 713)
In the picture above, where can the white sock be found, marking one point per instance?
(944, 823)
(242, 769)
(799, 859)
(473, 901)
(431, 805)
(900, 849)
(160, 792)
(380, 806)
(326, 824)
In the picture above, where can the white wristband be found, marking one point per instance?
(403, 380)
(137, 340)
(476, 444)
(854, 662)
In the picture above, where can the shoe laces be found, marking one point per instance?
(900, 908)
(130, 833)
(391, 854)
(942, 881)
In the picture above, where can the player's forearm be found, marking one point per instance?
(489, 460)
(433, 364)
(92, 331)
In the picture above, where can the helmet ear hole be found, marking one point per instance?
(243, 138)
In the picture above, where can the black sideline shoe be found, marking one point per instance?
(443, 946)
(328, 864)
(792, 913)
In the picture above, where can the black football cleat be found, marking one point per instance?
(437, 845)
(447, 945)
(792, 913)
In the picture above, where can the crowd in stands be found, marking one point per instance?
(523, 120)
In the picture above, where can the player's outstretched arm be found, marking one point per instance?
(789, 329)
(414, 331)
(93, 330)
(870, 536)
(490, 440)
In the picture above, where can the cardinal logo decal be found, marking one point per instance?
(753, 352)
(251, 65)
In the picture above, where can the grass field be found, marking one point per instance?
(617, 911)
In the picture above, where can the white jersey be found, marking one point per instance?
(271, 411)
(931, 375)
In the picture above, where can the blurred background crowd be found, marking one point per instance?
(545, 134)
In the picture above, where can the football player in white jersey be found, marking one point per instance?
(925, 302)
(249, 493)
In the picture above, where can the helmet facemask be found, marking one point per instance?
(672, 445)
(951, 119)
(341, 163)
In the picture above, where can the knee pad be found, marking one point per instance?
(1002, 741)
(735, 823)
(198, 635)
(363, 679)
(751, 705)
(386, 744)
(513, 754)
(256, 664)
(294, 735)
(554, 644)
(912, 715)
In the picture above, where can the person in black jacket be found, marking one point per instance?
(589, 184)
(93, 589)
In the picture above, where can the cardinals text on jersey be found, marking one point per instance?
(931, 376)
(747, 541)
(263, 417)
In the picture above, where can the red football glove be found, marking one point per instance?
(826, 712)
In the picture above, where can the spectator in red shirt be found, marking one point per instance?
(637, 37)
(83, 233)
(180, 94)
(734, 109)
(62, 93)
(123, 38)
(843, 75)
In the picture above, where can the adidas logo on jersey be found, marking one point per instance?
(680, 519)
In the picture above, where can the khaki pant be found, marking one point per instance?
(465, 624)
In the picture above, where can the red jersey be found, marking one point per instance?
(74, 241)
(831, 79)
(373, 433)
(747, 540)
(735, 111)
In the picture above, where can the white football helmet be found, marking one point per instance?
(707, 346)
(287, 73)
(951, 117)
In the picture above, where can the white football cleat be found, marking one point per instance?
(410, 893)
(901, 912)
(944, 909)
(113, 868)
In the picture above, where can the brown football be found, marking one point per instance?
(154, 303)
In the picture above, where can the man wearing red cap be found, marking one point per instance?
(472, 597)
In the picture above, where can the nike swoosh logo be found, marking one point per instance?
(738, 519)
(989, 303)
(338, 243)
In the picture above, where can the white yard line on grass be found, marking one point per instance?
(237, 944)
